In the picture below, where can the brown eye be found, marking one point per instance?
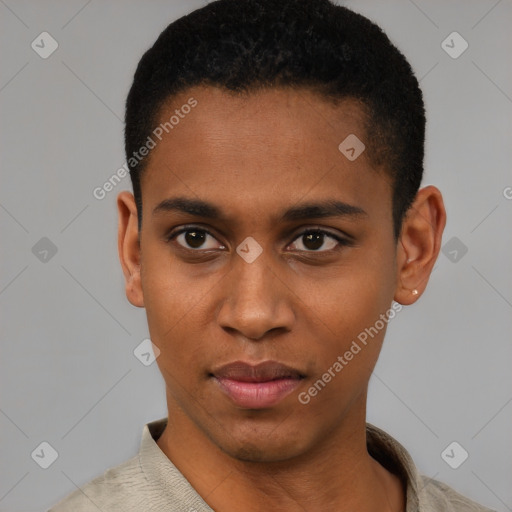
(313, 240)
(194, 238)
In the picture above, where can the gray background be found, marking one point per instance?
(68, 375)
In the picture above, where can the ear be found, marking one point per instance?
(128, 245)
(419, 244)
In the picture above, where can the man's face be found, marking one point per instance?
(212, 299)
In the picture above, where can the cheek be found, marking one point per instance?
(345, 358)
(351, 298)
(171, 302)
(348, 309)
(179, 313)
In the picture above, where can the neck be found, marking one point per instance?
(338, 474)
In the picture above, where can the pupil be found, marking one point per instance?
(314, 240)
(195, 238)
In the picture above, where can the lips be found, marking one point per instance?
(257, 387)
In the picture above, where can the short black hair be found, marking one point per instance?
(246, 45)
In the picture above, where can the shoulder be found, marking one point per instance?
(423, 494)
(122, 487)
(440, 497)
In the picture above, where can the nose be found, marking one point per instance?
(256, 300)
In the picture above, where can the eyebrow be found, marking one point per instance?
(317, 210)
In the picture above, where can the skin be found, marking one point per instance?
(254, 157)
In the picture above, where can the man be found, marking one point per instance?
(276, 226)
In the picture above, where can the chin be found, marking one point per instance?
(264, 447)
(251, 453)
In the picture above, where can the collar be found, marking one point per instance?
(166, 478)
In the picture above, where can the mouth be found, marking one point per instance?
(257, 386)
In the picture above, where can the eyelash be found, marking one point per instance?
(343, 242)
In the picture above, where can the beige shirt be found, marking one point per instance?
(150, 482)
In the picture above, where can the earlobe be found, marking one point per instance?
(129, 247)
(419, 244)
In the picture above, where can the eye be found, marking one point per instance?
(312, 240)
(192, 237)
(195, 238)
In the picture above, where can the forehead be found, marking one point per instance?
(299, 114)
(271, 146)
